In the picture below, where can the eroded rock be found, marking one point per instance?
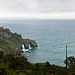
(14, 41)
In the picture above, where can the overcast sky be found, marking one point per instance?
(42, 9)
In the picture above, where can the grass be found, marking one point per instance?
(9, 45)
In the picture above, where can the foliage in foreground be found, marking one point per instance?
(70, 61)
(12, 65)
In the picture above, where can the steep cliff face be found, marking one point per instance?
(14, 41)
(4, 33)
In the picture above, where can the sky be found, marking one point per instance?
(37, 9)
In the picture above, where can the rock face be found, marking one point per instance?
(28, 42)
(4, 33)
(14, 41)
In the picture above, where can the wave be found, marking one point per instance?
(25, 50)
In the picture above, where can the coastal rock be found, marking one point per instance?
(28, 42)
(5, 33)
(33, 44)
(14, 41)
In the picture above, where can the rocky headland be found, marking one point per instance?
(13, 41)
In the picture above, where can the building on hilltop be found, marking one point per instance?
(2, 27)
(6, 28)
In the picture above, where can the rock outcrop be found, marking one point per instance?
(4, 33)
(28, 42)
(14, 41)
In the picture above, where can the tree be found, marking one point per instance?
(70, 62)
(4, 70)
(1, 56)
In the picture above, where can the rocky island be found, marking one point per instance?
(13, 41)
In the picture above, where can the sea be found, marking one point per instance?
(52, 36)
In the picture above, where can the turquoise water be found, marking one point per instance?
(52, 36)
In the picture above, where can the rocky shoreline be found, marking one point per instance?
(13, 41)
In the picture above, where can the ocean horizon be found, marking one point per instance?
(52, 36)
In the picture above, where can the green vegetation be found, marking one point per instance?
(7, 44)
(10, 43)
(19, 65)
(71, 64)
(13, 41)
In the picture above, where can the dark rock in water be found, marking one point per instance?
(28, 42)
(14, 41)
(33, 44)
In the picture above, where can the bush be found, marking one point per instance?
(4, 70)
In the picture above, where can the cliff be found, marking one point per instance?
(14, 41)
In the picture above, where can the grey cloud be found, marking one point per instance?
(57, 5)
(37, 5)
(18, 5)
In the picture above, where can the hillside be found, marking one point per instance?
(21, 66)
(14, 41)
